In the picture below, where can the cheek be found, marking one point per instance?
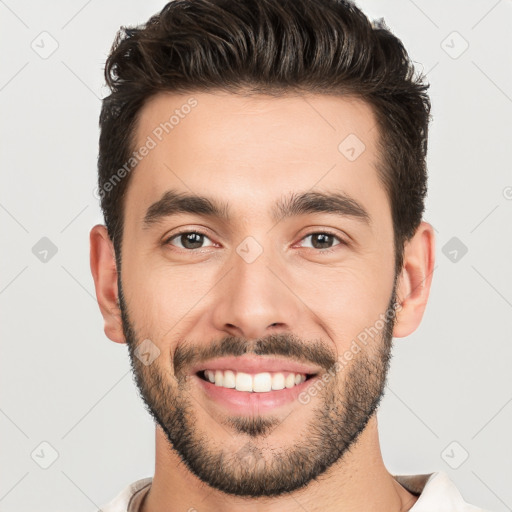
(163, 298)
(349, 300)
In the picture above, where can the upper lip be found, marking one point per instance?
(256, 364)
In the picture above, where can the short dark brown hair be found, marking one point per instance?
(269, 47)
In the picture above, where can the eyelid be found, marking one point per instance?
(323, 231)
(167, 239)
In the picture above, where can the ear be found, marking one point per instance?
(104, 273)
(414, 283)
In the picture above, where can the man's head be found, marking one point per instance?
(270, 47)
(268, 221)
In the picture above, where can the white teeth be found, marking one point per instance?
(258, 383)
(262, 382)
(229, 379)
(290, 380)
(278, 381)
(243, 381)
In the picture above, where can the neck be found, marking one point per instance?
(359, 482)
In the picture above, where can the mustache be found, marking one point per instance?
(285, 344)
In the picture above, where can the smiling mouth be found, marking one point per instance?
(254, 382)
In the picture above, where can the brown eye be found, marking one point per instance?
(323, 240)
(189, 240)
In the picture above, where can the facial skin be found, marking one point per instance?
(285, 294)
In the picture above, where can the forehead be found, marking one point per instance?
(248, 150)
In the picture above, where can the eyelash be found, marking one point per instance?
(199, 232)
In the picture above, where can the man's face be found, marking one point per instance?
(264, 295)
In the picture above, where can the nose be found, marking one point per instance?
(254, 299)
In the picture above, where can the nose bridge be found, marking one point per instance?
(252, 298)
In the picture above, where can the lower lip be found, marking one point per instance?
(246, 402)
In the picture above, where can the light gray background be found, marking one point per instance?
(64, 383)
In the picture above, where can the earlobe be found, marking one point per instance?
(415, 280)
(104, 273)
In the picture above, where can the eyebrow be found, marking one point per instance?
(173, 202)
(336, 203)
